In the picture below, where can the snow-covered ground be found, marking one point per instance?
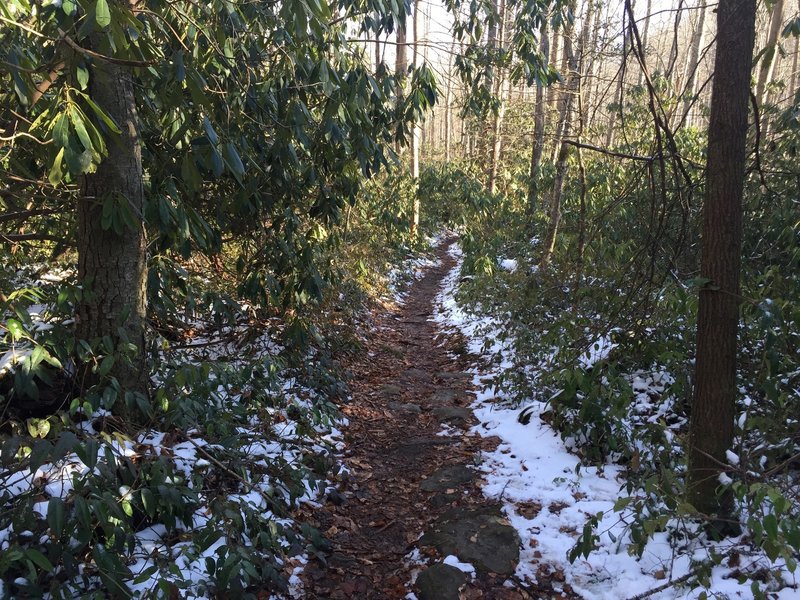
(548, 495)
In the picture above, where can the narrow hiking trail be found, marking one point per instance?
(410, 494)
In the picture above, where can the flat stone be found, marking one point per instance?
(453, 375)
(442, 500)
(440, 582)
(477, 536)
(405, 407)
(448, 478)
(452, 414)
(444, 396)
(416, 445)
(390, 390)
(416, 374)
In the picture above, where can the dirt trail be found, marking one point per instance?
(405, 480)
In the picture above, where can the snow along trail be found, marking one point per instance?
(548, 499)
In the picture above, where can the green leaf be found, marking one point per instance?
(210, 133)
(39, 559)
(87, 452)
(109, 122)
(82, 75)
(112, 571)
(106, 365)
(61, 130)
(233, 160)
(40, 454)
(771, 526)
(83, 134)
(102, 14)
(622, 503)
(15, 329)
(56, 174)
(69, 7)
(55, 516)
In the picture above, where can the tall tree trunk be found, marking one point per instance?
(619, 99)
(563, 152)
(794, 73)
(674, 51)
(377, 51)
(645, 31)
(112, 264)
(693, 65)
(553, 91)
(538, 130)
(566, 57)
(771, 48)
(448, 109)
(416, 133)
(497, 121)
(401, 69)
(712, 414)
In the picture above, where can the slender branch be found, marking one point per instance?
(109, 59)
(609, 152)
(26, 214)
(12, 238)
(664, 586)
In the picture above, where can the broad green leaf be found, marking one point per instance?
(55, 515)
(56, 174)
(39, 559)
(16, 330)
(69, 7)
(233, 160)
(82, 75)
(83, 134)
(61, 130)
(210, 133)
(109, 122)
(102, 14)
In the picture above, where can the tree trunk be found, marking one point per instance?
(497, 122)
(563, 153)
(645, 31)
(538, 131)
(793, 75)
(416, 133)
(771, 47)
(712, 414)
(401, 70)
(377, 51)
(448, 109)
(112, 263)
(620, 85)
(693, 65)
(566, 58)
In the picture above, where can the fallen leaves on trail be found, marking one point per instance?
(394, 441)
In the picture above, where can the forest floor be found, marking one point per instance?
(408, 515)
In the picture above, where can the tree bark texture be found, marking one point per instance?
(573, 81)
(497, 121)
(416, 132)
(712, 415)
(112, 265)
(693, 65)
(771, 47)
(538, 131)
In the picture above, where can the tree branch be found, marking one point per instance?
(609, 152)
